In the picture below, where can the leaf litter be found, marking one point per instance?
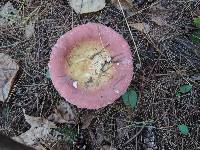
(8, 15)
(87, 6)
(8, 71)
(40, 131)
(126, 4)
(63, 114)
(157, 100)
(141, 26)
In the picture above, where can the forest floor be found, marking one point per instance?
(167, 59)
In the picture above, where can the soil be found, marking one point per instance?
(164, 59)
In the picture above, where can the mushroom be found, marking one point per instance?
(91, 66)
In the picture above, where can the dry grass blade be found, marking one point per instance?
(134, 43)
(133, 137)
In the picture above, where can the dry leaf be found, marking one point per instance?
(197, 11)
(108, 147)
(142, 27)
(87, 6)
(29, 30)
(8, 15)
(40, 131)
(158, 7)
(98, 135)
(8, 70)
(63, 114)
(87, 119)
(159, 20)
(126, 4)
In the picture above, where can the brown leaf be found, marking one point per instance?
(87, 6)
(197, 11)
(63, 114)
(142, 27)
(29, 30)
(159, 20)
(158, 7)
(98, 135)
(87, 119)
(8, 70)
(9, 15)
(126, 4)
(40, 131)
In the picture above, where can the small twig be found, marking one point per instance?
(134, 135)
(182, 145)
(35, 11)
(72, 18)
(140, 11)
(26, 72)
(136, 143)
(135, 46)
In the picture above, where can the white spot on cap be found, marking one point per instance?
(75, 84)
(117, 64)
(116, 91)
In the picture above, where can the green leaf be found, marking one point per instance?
(185, 88)
(196, 37)
(47, 74)
(130, 98)
(183, 129)
(178, 94)
(197, 21)
(196, 34)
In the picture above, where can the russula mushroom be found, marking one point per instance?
(91, 66)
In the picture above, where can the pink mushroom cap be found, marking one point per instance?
(109, 91)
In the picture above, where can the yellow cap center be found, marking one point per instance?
(89, 64)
